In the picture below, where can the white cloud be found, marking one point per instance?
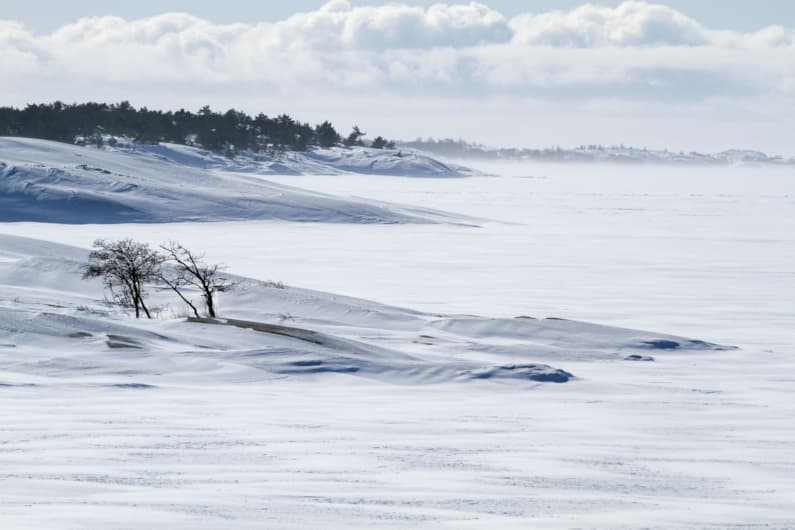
(769, 37)
(458, 47)
(339, 25)
(629, 24)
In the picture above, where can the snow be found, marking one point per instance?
(54, 182)
(49, 303)
(396, 162)
(340, 412)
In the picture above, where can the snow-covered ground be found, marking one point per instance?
(49, 181)
(386, 417)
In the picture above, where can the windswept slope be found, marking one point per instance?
(53, 182)
(53, 324)
(396, 162)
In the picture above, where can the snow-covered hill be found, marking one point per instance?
(54, 182)
(54, 325)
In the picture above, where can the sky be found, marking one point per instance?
(47, 15)
(684, 75)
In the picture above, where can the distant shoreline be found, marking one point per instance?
(463, 150)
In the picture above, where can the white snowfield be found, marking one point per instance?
(49, 181)
(199, 423)
(302, 409)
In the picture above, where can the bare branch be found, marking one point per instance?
(191, 270)
(126, 267)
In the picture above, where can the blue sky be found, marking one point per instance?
(705, 75)
(46, 15)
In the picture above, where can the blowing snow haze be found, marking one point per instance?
(694, 75)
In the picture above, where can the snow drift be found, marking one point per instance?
(48, 181)
(53, 324)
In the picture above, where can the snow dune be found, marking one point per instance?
(54, 325)
(54, 182)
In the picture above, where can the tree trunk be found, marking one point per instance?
(175, 288)
(146, 310)
(210, 307)
(192, 307)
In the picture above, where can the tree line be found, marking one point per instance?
(230, 131)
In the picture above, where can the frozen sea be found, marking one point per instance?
(688, 441)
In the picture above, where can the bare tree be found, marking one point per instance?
(125, 266)
(190, 270)
(176, 279)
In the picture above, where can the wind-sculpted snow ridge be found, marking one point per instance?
(54, 182)
(56, 328)
(396, 162)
